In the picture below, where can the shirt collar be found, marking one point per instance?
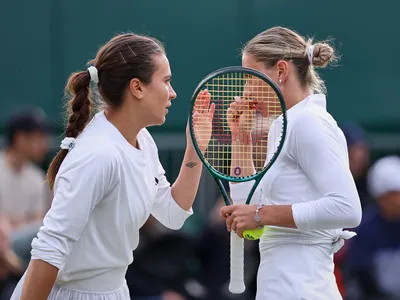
(312, 100)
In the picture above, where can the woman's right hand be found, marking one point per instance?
(241, 116)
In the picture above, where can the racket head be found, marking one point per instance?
(224, 85)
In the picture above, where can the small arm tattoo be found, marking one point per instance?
(191, 164)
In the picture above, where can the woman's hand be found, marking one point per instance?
(203, 115)
(241, 119)
(239, 217)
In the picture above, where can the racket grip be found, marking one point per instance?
(236, 285)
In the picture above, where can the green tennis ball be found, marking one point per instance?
(254, 234)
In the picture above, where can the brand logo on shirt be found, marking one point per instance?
(156, 180)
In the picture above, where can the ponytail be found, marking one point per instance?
(79, 108)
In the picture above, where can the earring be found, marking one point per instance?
(280, 80)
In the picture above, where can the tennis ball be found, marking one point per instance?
(254, 234)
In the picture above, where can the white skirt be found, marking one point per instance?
(61, 293)
(297, 272)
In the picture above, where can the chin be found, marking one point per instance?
(159, 121)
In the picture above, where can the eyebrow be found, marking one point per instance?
(168, 77)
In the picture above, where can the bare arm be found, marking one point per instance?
(185, 188)
(242, 155)
(170, 201)
(39, 280)
(241, 120)
(279, 215)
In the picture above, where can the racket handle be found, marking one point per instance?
(236, 285)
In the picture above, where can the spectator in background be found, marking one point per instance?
(358, 150)
(23, 194)
(374, 254)
(359, 158)
(24, 197)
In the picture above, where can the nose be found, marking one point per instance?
(247, 90)
(172, 94)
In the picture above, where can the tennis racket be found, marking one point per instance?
(249, 118)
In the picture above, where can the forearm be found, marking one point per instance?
(39, 280)
(185, 188)
(277, 215)
(242, 156)
(332, 211)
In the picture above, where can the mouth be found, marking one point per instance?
(167, 107)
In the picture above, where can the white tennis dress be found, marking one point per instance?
(311, 174)
(104, 192)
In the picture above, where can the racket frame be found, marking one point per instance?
(217, 175)
(237, 285)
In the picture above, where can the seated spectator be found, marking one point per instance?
(24, 197)
(374, 254)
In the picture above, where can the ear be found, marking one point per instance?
(282, 67)
(136, 88)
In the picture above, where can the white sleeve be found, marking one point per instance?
(314, 145)
(79, 188)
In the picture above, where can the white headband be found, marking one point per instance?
(68, 143)
(94, 75)
(310, 53)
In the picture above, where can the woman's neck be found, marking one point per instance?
(128, 129)
(294, 94)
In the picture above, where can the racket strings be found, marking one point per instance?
(256, 108)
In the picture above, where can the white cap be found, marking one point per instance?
(384, 176)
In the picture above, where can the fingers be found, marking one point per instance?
(230, 223)
(235, 224)
(206, 101)
(202, 103)
(198, 101)
(239, 230)
(241, 104)
(211, 110)
(227, 211)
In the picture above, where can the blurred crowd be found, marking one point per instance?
(174, 265)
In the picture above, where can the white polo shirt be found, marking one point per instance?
(104, 192)
(312, 174)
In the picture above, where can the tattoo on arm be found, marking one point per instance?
(191, 164)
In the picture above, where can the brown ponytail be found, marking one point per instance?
(79, 108)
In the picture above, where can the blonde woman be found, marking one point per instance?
(309, 195)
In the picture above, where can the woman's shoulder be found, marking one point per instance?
(92, 153)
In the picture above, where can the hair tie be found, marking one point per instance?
(310, 53)
(68, 143)
(94, 75)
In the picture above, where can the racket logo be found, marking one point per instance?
(237, 171)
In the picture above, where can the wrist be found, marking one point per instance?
(244, 138)
(257, 216)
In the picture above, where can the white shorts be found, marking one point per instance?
(297, 272)
(60, 293)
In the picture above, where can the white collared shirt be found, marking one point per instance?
(105, 191)
(312, 174)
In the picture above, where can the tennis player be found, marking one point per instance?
(308, 195)
(107, 177)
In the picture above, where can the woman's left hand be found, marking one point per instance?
(203, 115)
(239, 217)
